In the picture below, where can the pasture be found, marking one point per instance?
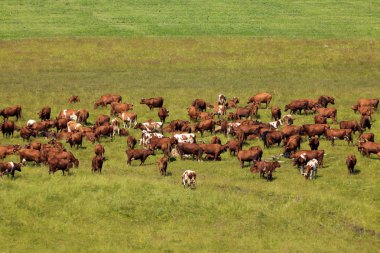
(183, 50)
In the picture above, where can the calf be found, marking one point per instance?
(162, 164)
(265, 169)
(188, 178)
(311, 169)
(138, 154)
(351, 162)
(97, 163)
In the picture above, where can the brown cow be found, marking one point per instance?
(138, 154)
(288, 120)
(272, 137)
(117, 108)
(83, 115)
(215, 140)
(193, 113)
(192, 149)
(276, 113)
(68, 114)
(34, 145)
(328, 113)
(366, 137)
(131, 142)
(206, 125)
(44, 114)
(103, 120)
(368, 148)
(234, 146)
(162, 114)
(59, 154)
(26, 133)
(162, 164)
(30, 155)
(244, 130)
(249, 156)
(107, 99)
(292, 145)
(315, 129)
(261, 98)
(213, 150)
(232, 102)
(365, 122)
(8, 150)
(340, 134)
(75, 139)
(325, 100)
(351, 162)
(99, 150)
(74, 99)
(351, 124)
(200, 104)
(364, 110)
(11, 111)
(152, 102)
(297, 105)
(314, 143)
(369, 102)
(7, 128)
(59, 164)
(301, 157)
(9, 168)
(265, 169)
(288, 131)
(64, 135)
(97, 163)
(106, 131)
(61, 124)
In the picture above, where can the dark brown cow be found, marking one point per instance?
(368, 148)
(265, 169)
(138, 154)
(117, 108)
(30, 155)
(276, 113)
(11, 111)
(350, 124)
(249, 156)
(103, 120)
(272, 137)
(7, 128)
(192, 149)
(44, 114)
(83, 116)
(107, 99)
(369, 102)
(365, 122)
(199, 104)
(162, 164)
(206, 125)
(301, 157)
(59, 164)
(351, 162)
(162, 114)
(328, 113)
(131, 142)
(152, 102)
(105, 131)
(97, 163)
(213, 150)
(74, 99)
(234, 146)
(261, 98)
(178, 124)
(9, 168)
(340, 134)
(315, 129)
(325, 100)
(193, 113)
(314, 143)
(26, 133)
(297, 105)
(366, 137)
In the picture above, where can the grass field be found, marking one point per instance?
(182, 51)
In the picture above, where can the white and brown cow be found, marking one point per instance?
(150, 126)
(147, 136)
(130, 117)
(185, 138)
(188, 178)
(73, 126)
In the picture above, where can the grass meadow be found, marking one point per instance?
(183, 50)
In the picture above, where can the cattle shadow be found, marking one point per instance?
(169, 174)
(356, 172)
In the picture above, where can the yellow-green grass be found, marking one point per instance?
(292, 19)
(134, 208)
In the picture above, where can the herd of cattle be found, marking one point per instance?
(224, 117)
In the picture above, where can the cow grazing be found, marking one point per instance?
(325, 100)
(292, 145)
(97, 163)
(75, 139)
(131, 142)
(8, 150)
(276, 113)
(30, 155)
(351, 162)
(205, 125)
(301, 157)
(328, 113)
(107, 99)
(364, 137)
(59, 164)
(26, 133)
(99, 150)
(232, 103)
(189, 179)
(365, 122)
(340, 134)
(162, 114)
(185, 138)
(83, 115)
(103, 120)
(351, 124)
(152, 102)
(234, 146)
(44, 114)
(249, 156)
(265, 169)
(310, 170)
(162, 164)
(11, 111)
(213, 151)
(138, 154)
(369, 102)
(7, 128)
(314, 143)
(9, 168)
(368, 148)
(192, 149)
(261, 98)
(74, 99)
(297, 106)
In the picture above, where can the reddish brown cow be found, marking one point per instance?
(162, 114)
(215, 140)
(350, 124)
(131, 142)
(288, 131)
(105, 131)
(61, 124)
(365, 122)
(44, 114)
(315, 129)
(369, 102)
(59, 154)
(30, 155)
(318, 119)
(340, 134)
(102, 120)
(261, 98)
(138, 154)
(99, 150)
(193, 113)
(206, 125)
(107, 99)
(234, 146)
(26, 133)
(328, 113)
(74, 99)
(249, 156)
(120, 108)
(232, 102)
(7, 128)
(213, 150)
(351, 162)
(272, 137)
(8, 150)
(368, 148)
(59, 164)
(276, 113)
(152, 102)
(83, 116)
(11, 111)
(97, 164)
(162, 164)
(325, 100)
(265, 169)
(314, 143)
(34, 145)
(292, 144)
(192, 149)
(75, 139)
(297, 105)
(301, 157)
(366, 137)
(244, 130)
(64, 135)
(199, 104)
(9, 168)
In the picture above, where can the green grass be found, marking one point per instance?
(134, 208)
(119, 18)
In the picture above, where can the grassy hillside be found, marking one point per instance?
(293, 19)
(135, 209)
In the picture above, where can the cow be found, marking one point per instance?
(244, 130)
(192, 149)
(205, 115)
(189, 179)
(26, 133)
(99, 150)
(215, 140)
(147, 136)
(292, 145)
(232, 102)
(265, 168)
(131, 142)
(369, 102)
(8, 150)
(11, 111)
(44, 114)
(276, 113)
(107, 99)
(68, 114)
(315, 129)
(199, 104)
(162, 114)
(276, 124)
(301, 157)
(232, 126)
(103, 120)
(247, 112)
(117, 108)
(205, 125)
(297, 105)
(365, 122)
(73, 126)
(221, 99)
(178, 125)
(219, 110)
(83, 115)
(314, 143)
(261, 98)
(152, 102)
(75, 139)
(74, 99)
(310, 170)
(288, 120)
(351, 162)
(162, 164)
(288, 131)
(9, 168)
(340, 134)
(351, 124)
(149, 126)
(193, 113)
(328, 113)
(366, 137)
(157, 143)
(368, 148)
(138, 154)
(115, 127)
(7, 128)
(213, 151)
(62, 155)
(234, 146)
(272, 137)
(185, 137)
(34, 145)
(249, 156)
(61, 124)
(104, 131)
(30, 155)
(97, 163)
(59, 164)
(325, 100)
